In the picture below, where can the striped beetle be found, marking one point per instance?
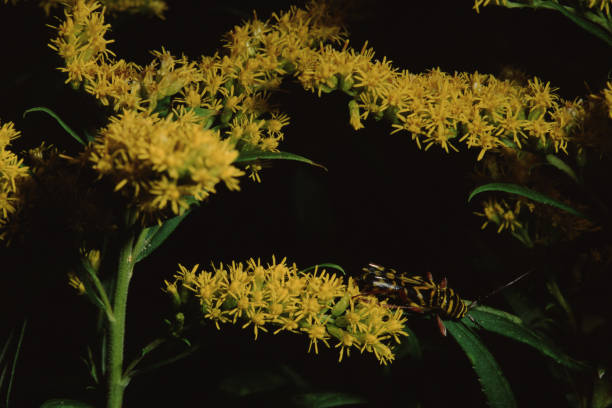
(419, 294)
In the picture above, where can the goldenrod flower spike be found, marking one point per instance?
(155, 7)
(13, 174)
(318, 304)
(160, 164)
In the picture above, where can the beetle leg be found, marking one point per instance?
(441, 325)
(475, 322)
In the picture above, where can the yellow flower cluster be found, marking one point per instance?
(602, 5)
(438, 108)
(483, 3)
(435, 108)
(501, 214)
(317, 304)
(231, 91)
(233, 88)
(156, 7)
(550, 224)
(162, 164)
(12, 172)
(607, 97)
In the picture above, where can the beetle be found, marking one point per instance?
(418, 293)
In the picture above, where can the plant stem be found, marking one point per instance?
(116, 328)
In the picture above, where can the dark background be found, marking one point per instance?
(381, 200)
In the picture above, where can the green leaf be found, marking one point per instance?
(91, 365)
(494, 384)
(89, 137)
(561, 165)
(525, 192)
(152, 237)
(65, 403)
(583, 23)
(260, 155)
(61, 122)
(325, 265)
(207, 114)
(163, 106)
(13, 365)
(512, 326)
(409, 347)
(326, 399)
(555, 290)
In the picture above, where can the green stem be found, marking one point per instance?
(116, 328)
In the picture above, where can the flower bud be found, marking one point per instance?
(340, 307)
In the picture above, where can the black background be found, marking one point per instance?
(381, 200)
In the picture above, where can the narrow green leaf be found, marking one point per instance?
(259, 155)
(91, 364)
(525, 192)
(512, 326)
(555, 290)
(65, 403)
(581, 22)
(409, 347)
(152, 237)
(88, 136)
(569, 12)
(5, 348)
(325, 265)
(326, 399)
(561, 165)
(3, 375)
(163, 106)
(207, 114)
(57, 118)
(14, 365)
(494, 384)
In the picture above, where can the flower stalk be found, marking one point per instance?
(116, 327)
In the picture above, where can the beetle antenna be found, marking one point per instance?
(504, 286)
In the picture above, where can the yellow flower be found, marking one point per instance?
(258, 319)
(375, 77)
(216, 314)
(395, 325)
(156, 7)
(603, 5)
(316, 332)
(347, 340)
(502, 215)
(277, 294)
(540, 96)
(372, 341)
(478, 3)
(13, 176)
(161, 164)
(76, 283)
(276, 123)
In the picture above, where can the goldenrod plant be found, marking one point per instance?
(156, 184)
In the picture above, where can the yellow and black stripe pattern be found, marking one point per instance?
(416, 293)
